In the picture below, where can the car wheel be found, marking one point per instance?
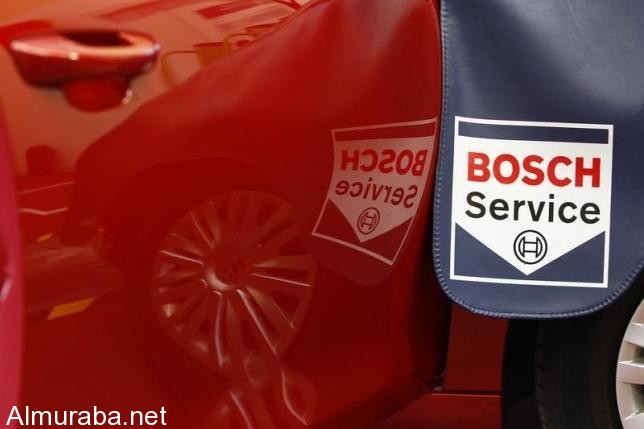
(630, 372)
(589, 371)
(220, 290)
(231, 279)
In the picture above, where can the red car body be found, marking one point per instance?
(243, 95)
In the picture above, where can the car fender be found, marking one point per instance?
(274, 106)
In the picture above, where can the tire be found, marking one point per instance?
(576, 368)
(206, 332)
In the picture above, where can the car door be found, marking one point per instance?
(11, 310)
(213, 225)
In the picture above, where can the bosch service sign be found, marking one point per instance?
(379, 177)
(530, 198)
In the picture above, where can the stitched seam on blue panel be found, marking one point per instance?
(612, 297)
(441, 154)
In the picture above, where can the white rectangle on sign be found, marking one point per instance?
(527, 199)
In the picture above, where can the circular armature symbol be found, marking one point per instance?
(368, 220)
(530, 247)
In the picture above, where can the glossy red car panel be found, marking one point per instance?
(11, 299)
(239, 113)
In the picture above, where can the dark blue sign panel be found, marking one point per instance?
(539, 198)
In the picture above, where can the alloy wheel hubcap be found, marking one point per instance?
(232, 280)
(225, 271)
(630, 373)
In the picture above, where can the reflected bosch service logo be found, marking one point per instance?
(530, 247)
(379, 177)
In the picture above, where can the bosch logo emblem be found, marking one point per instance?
(511, 179)
(530, 247)
(368, 220)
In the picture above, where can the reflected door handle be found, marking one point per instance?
(54, 57)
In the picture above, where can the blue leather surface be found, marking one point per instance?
(552, 61)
